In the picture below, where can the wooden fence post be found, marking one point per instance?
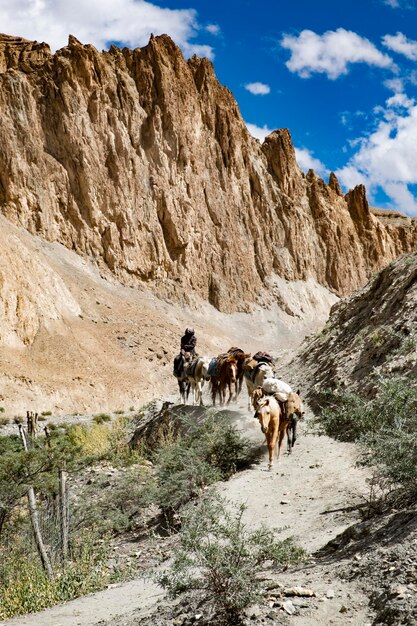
(33, 510)
(63, 513)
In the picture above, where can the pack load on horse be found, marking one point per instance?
(254, 373)
(275, 426)
(277, 388)
(263, 357)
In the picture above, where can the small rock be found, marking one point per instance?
(299, 591)
(253, 611)
(343, 609)
(284, 502)
(289, 607)
(330, 594)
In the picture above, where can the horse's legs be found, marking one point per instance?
(249, 396)
(229, 384)
(289, 437)
(271, 438)
(213, 392)
(199, 387)
(294, 430)
(280, 440)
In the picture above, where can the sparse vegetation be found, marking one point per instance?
(199, 455)
(26, 588)
(385, 426)
(408, 344)
(119, 412)
(112, 501)
(4, 421)
(220, 558)
(18, 419)
(46, 413)
(1, 409)
(100, 418)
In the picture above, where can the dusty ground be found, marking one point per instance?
(311, 496)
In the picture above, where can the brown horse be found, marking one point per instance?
(293, 410)
(242, 358)
(273, 426)
(225, 379)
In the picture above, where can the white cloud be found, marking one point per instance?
(386, 158)
(259, 132)
(331, 53)
(394, 4)
(396, 84)
(401, 44)
(307, 161)
(400, 101)
(258, 89)
(129, 22)
(213, 29)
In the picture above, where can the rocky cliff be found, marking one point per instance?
(141, 161)
(371, 334)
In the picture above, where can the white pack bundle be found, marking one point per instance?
(279, 388)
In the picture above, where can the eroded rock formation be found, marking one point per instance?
(368, 336)
(141, 160)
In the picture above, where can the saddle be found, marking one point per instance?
(212, 369)
(192, 366)
(263, 357)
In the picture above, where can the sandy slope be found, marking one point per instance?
(74, 341)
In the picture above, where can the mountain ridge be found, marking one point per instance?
(141, 161)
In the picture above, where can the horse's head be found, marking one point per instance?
(294, 406)
(231, 367)
(263, 414)
(257, 396)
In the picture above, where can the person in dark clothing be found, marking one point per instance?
(188, 341)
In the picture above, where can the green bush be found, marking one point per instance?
(202, 453)
(4, 421)
(220, 558)
(25, 588)
(100, 418)
(385, 426)
(46, 413)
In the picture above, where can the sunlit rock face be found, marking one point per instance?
(141, 161)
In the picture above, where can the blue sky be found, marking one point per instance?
(342, 76)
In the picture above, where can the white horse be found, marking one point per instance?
(254, 374)
(197, 373)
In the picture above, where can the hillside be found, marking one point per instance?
(368, 335)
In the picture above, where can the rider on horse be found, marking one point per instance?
(188, 344)
(189, 341)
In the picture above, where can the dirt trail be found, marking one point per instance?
(310, 496)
